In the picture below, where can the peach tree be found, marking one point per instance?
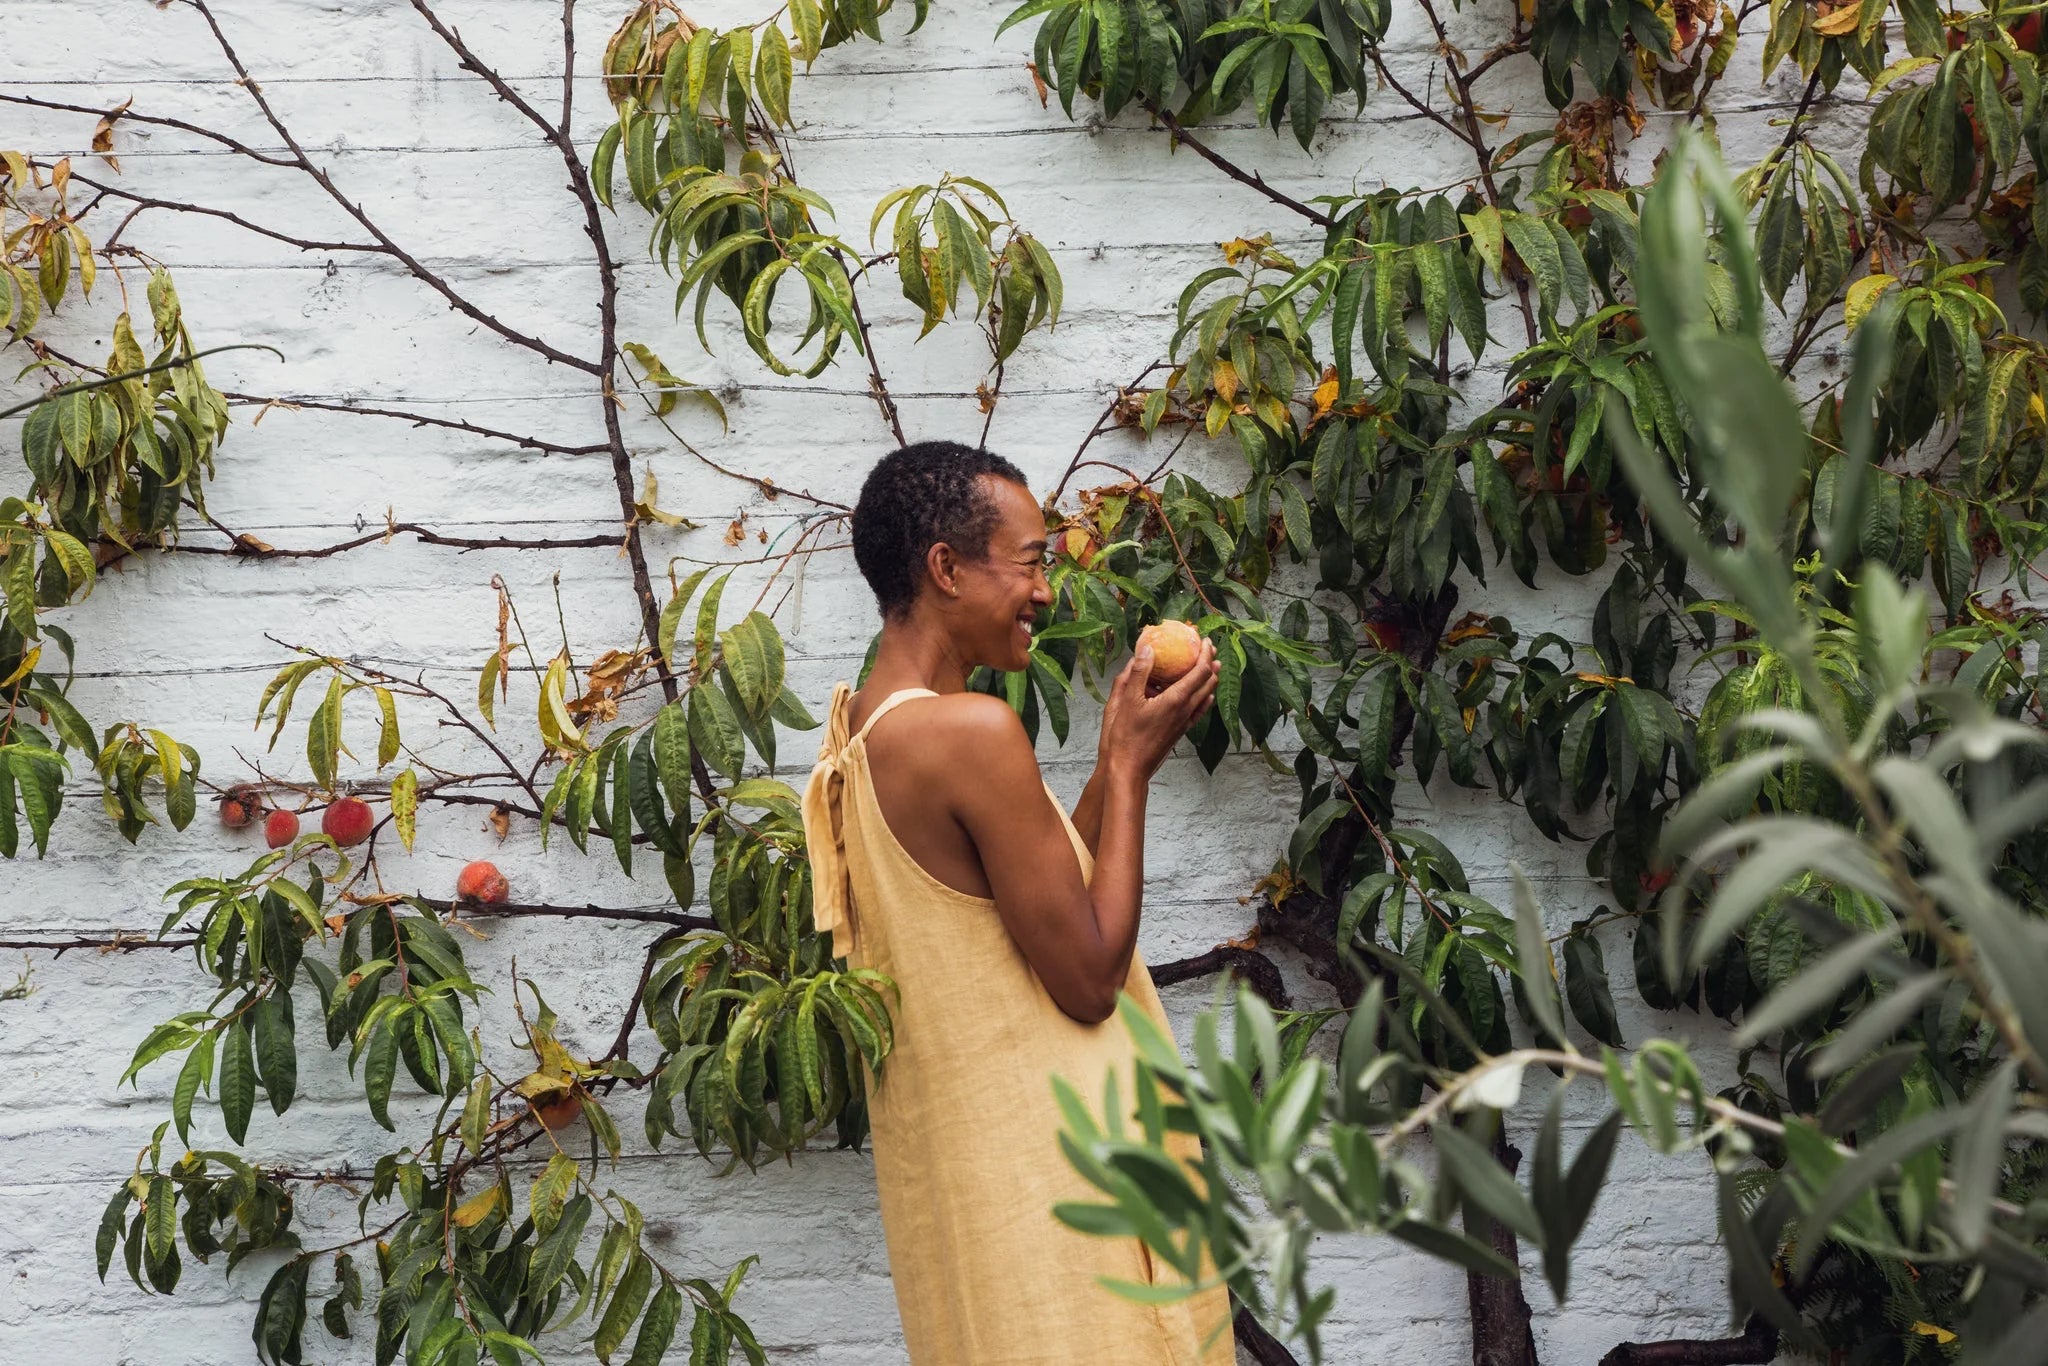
(1547, 370)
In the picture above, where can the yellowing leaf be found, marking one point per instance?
(477, 1208)
(28, 661)
(1242, 248)
(1839, 22)
(1863, 297)
(1929, 1330)
(1326, 392)
(1223, 378)
(405, 806)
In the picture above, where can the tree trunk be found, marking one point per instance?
(1757, 1346)
(1499, 1311)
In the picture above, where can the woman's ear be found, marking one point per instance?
(942, 567)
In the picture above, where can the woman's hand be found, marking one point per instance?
(1138, 731)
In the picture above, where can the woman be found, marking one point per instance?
(943, 860)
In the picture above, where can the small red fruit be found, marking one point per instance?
(558, 1114)
(280, 828)
(481, 882)
(347, 821)
(1384, 635)
(1175, 647)
(239, 805)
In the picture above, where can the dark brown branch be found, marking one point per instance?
(1252, 1337)
(122, 941)
(1501, 1335)
(512, 910)
(568, 65)
(1102, 424)
(419, 420)
(625, 1035)
(1476, 137)
(1513, 47)
(1757, 1345)
(1251, 965)
(877, 386)
(246, 548)
(608, 331)
(144, 202)
(1230, 168)
(156, 119)
(1419, 105)
(420, 272)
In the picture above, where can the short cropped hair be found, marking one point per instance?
(915, 498)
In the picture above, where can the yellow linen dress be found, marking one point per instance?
(964, 1125)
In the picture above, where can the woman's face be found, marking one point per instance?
(1000, 595)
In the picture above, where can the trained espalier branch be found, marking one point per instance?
(1869, 942)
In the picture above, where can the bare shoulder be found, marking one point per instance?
(937, 733)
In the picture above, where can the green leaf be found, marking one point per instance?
(1586, 989)
(276, 1048)
(1532, 958)
(323, 735)
(1484, 1182)
(625, 1307)
(237, 1079)
(659, 1326)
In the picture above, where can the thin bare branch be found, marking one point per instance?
(533, 443)
(1231, 168)
(130, 116)
(420, 272)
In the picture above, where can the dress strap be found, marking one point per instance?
(824, 813)
(889, 704)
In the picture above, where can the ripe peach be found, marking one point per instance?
(239, 805)
(481, 882)
(280, 828)
(1175, 648)
(1079, 546)
(559, 1113)
(347, 821)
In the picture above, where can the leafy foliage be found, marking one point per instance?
(1811, 812)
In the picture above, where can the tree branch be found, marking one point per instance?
(419, 420)
(1757, 1346)
(1230, 168)
(1249, 964)
(155, 119)
(121, 941)
(144, 202)
(248, 548)
(683, 921)
(1252, 1337)
(420, 272)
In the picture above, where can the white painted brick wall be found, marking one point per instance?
(186, 642)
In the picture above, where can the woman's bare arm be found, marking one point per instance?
(1077, 936)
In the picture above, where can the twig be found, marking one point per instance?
(420, 272)
(1230, 168)
(1254, 967)
(1757, 1345)
(246, 548)
(178, 363)
(418, 420)
(513, 910)
(130, 116)
(121, 941)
